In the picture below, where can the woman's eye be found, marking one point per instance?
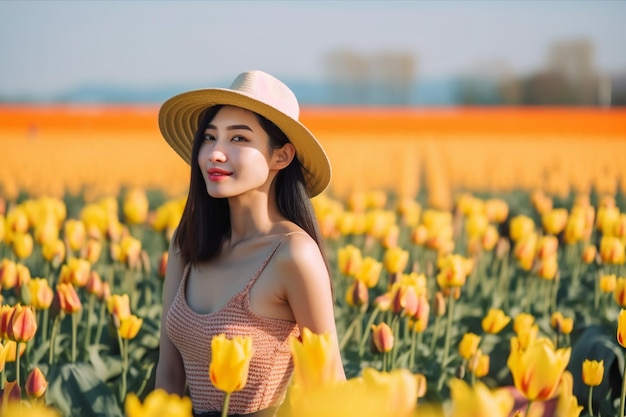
(209, 137)
(239, 139)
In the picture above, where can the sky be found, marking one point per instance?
(48, 46)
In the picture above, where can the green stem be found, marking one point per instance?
(44, 325)
(435, 335)
(589, 403)
(74, 335)
(527, 413)
(92, 298)
(412, 351)
(623, 397)
(101, 319)
(226, 401)
(17, 364)
(123, 343)
(446, 346)
(367, 330)
(55, 326)
(349, 332)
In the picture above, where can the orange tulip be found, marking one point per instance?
(621, 328)
(589, 254)
(548, 268)
(23, 324)
(163, 264)
(6, 312)
(619, 293)
(8, 274)
(68, 298)
(357, 294)
(94, 284)
(382, 336)
(36, 384)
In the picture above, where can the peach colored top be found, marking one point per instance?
(271, 365)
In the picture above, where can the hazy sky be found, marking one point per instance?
(49, 46)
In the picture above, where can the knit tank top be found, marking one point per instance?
(271, 365)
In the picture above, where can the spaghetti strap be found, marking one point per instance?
(266, 261)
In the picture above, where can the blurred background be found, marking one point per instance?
(441, 96)
(330, 52)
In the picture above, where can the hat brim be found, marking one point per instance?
(179, 117)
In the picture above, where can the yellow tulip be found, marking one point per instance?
(576, 227)
(130, 251)
(554, 221)
(497, 210)
(419, 235)
(621, 328)
(158, 403)
(548, 267)
(469, 345)
(619, 293)
(479, 400)
(40, 292)
(4, 350)
(453, 271)
(18, 408)
(23, 245)
(395, 260)
(370, 271)
(490, 238)
(349, 259)
(119, 305)
(523, 321)
(561, 324)
(525, 250)
(537, 370)
(135, 206)
(495, 321)
(92, 250)
(547, 246)
(130, 326)
(593, 372)
(54, 251)
(314, 362)
(612, 250)
(567, 404)
(476, 225)
(589, 254)
(75, 233)
(521, 227)
(8, 274)
(46, 230)
(608, 283)
(75, 272)
(230, 361)
(478, 364)
(399, 387)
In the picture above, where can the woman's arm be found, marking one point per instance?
(308, 289)
(170, 373)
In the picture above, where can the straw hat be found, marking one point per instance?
(261, 93)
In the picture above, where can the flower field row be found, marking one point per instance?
(438, 311)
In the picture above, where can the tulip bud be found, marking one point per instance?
(36, 384)
(130, 326)
(23, 325)
(230, 362)
(382, 337)
(8, 274)
(593, 372)
(68, 298)
(94, 284)
(621, 328)
(608, 283)
(357, 294)
(119, 305)
(495, 321)
(589, 254)
(439, 304)
(479, 364)
(619, 293)
(469, 345)
(163, 264)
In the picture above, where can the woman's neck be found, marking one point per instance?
(252, 216)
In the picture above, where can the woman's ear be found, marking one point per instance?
(283, 156)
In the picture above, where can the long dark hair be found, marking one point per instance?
(205, 222)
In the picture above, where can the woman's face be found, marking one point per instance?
(235, 156)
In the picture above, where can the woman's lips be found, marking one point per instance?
(218, 174)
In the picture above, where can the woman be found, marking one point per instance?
(247, 258)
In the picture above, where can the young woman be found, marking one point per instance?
(247, 258)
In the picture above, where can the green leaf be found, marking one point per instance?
(76, 390)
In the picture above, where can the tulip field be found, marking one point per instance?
(478, 260)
